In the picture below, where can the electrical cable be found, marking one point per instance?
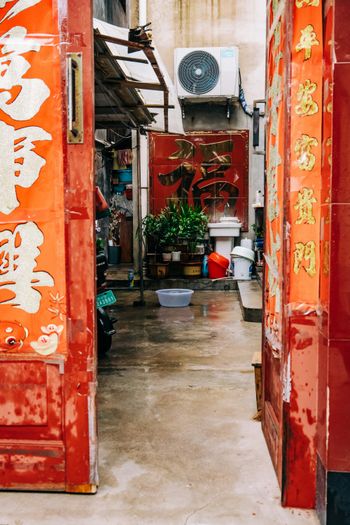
(242, 99)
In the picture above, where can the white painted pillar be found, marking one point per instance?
(143, 12)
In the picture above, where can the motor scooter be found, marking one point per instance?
(105, 323)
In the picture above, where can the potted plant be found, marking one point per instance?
(259, 235)
(168, 230)
(193, 224)
(161, 231)
(176, 223)
(152, 231)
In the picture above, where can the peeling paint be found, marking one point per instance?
(287, 381)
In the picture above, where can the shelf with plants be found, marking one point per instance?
(177, 228)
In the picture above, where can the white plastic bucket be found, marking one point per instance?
(242, 268)
(176, 256)
(241, 251)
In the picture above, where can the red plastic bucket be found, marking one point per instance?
(217, 265)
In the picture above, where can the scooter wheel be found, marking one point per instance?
(104, 343)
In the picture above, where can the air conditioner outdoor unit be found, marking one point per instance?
(207, 72)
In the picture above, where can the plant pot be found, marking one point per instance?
(159, 270)
(192, 269)
(176, 256)
(114, 253)
(195, 257)
(200, 249)
(175, 269)
(151, 258)
(166, 257)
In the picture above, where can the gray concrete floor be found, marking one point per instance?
(178, 445)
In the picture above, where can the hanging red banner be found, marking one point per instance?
(209, 170)
(32, 239)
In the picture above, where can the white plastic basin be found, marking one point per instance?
(174, 297)
(245, 253)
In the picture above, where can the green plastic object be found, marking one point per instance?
(105, 299)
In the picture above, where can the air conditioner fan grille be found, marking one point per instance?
(198, 72)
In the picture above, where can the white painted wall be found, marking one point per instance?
(206, 23)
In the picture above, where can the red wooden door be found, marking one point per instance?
(290, 345)
(47, 286)
(277, 98)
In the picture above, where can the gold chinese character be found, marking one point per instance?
(186, 150)
(303, 146)
(328, 198)
(274, 161)
(329, 96)
(307, 106)
(311, 3)
(275, 5)
(307, 40)
(277, 36)
(275, 94)
(304, 205)
(329, 144)
(326, 258)
(327, 218)
(305, 252)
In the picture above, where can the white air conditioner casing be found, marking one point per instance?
(209, 72)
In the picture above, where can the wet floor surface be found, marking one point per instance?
(178, 443)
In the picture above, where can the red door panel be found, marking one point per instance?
(272, 404)
(292, 231)
(39, 408)
(23, 397)
(27, 465)
(47, 249)
(31, 444)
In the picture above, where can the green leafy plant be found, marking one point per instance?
(193, 225)
(169, 222)
(161, 230)
(150, 230)
(258, 230)
(173, 224)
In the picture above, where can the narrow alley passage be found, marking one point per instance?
(178, 443)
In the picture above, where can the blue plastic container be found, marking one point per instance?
(124, 176)
(205, 269)
(118, 188)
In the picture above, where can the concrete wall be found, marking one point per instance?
(208, 23)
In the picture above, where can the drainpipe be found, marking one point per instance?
(142, 12)
(137, 212)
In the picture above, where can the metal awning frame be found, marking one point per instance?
(148, 50)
